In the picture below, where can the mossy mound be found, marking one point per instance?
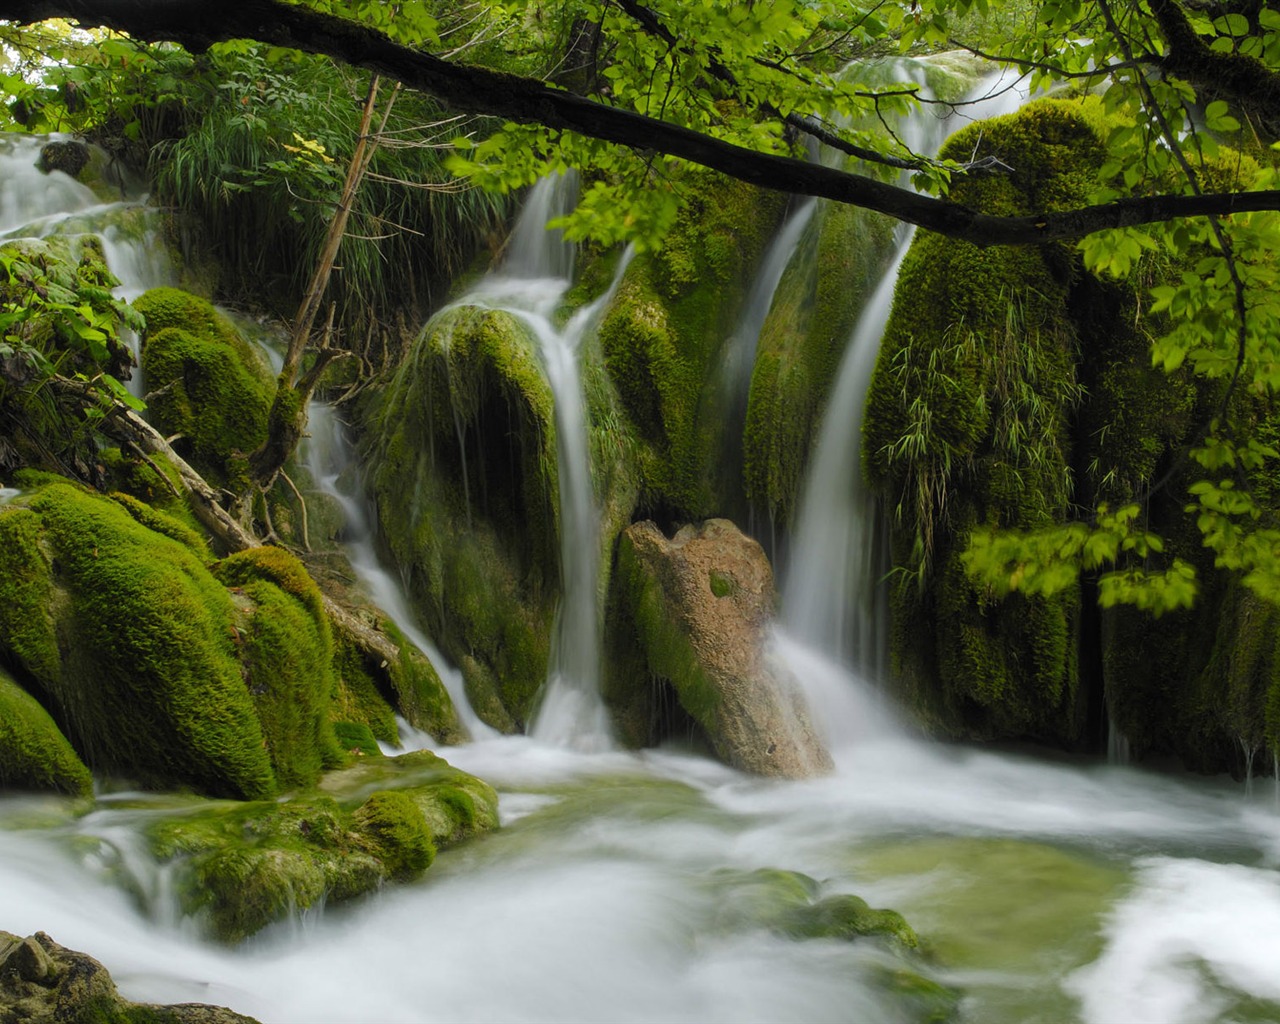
(285, 649)
(207, 383)
(837, 263)
(968, 424)
(129, 640)
(156, 667)
(463, 456)
(245, 865)
(665, 333)
(33, 752)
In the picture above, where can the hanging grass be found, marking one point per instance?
(259, 164)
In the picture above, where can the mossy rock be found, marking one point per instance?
(396, 829)
(462, 449)
(285, 649)
(33, 752)
(156, 667)
(969, 424)
(243, 866)
(129, 640)
(43, 981)
(371, 691)
(836, 266)
(207, 383)
(455, 805)
(664, 336)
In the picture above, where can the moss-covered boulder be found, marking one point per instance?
(462, 452)
(969, 424)
(698, 607)
(665, 334)
(838, 260)
(154, 666)
(372, 690)
(129, 640)
(33, 752)
(207, 384)
(285, 649)
(41, 980)
(244, 865)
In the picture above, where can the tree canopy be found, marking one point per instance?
(638, 92)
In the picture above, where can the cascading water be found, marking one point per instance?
(36, 204)
(530, 284)
(830, 594)
(740, 348)
(328, 457)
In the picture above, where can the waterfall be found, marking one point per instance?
(530, 285)
(740, 349)
(35, 204)
(829, 596)
(327, 452)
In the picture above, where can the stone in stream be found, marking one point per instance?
(700, 604)
(43, 981)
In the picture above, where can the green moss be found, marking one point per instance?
(27, 597)
(356, 738)
(242, 866)
(159, 522)
(969, 423)
(664, 335)
(357, 698)
(33, 752)
(207, 383)
(246, 865)
(837, 262)
(847, 917)
(397, 833)
(462, 448)
(131, 640)
(155, 482)
(286, 651)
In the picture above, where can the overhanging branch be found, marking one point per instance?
(196, 24)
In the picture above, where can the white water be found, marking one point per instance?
(36, 205)
(616, 891)
(328, 457)
(530, 284)
(830, 597)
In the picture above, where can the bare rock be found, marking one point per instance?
(701, 604)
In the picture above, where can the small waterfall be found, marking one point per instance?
(530, 285)
(1117, 744)
(829, 596)
(328, 458)
(740, 348)
(34, 204)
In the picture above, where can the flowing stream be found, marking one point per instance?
(328, 456)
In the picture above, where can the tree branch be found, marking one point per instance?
(196, 24)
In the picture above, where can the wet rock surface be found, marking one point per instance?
(701, 603)
(42, 982)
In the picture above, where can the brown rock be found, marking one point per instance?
(701, 604)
